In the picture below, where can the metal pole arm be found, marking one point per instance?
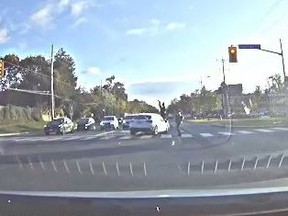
(270, 51)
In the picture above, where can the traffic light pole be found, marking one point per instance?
(284, 72)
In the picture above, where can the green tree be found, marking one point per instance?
(65, 78)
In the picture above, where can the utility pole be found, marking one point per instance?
(223, 70)
(225, 94)
(52, 85)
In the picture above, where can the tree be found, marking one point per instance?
(13, 72)
(65, 78)
(35, 72)
(277, 84)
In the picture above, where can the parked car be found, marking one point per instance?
(109, 122)
(127, 120)
(149, 123)
(86, 124)
(59, 126)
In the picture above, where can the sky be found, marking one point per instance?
(159, 49)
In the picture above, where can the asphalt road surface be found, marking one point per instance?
(203, 157)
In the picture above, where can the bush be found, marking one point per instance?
(12, 113)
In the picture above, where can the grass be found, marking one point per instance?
(269, 122)
(14, 127)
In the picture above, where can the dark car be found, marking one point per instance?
(126, 121)
(86, 124)
(59, 126)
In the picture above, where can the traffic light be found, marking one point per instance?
(232, 54)
(2, 71)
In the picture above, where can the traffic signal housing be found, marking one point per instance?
(2, 71)
(232, 54)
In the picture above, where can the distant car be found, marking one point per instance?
(127, 120)
(86, 124)
(59, 126)
(109, 122)
(151, 123)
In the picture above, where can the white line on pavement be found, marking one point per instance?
(146, 137)
(206, 134)
(264, 130)
(280, 128)
(186, 135)
(226, 133)
(245, 132)
(166, 136)
(125, 137)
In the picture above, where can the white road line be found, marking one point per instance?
(73, 137)
(264, 130)
(125, 137)
(88, 138)
(166, 136)
(206, 134)
(53, 139)
(245, 132)
(226, 133)
(186, 135)
(146, 137)
(106, 138)
(280, 128)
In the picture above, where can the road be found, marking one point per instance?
(205, 156)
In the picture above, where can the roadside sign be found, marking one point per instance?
(249, 46)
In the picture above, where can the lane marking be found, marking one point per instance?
(226, 133)
(125, 137)
(280, 128)
(146, 137)
(245, 132)
(166, 136)
(186, 135)
(264, 130)
(206, 134)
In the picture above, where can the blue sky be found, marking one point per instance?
(158, 48)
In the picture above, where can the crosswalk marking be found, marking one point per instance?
(264, 130)
(72, 137)
(280, 128)
(125, 137)
(226, 133)
(206, 134)
(146, 136)
(245, 132)
(186, 135)
(166, 136)
(89, 138)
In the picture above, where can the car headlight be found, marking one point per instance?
(45, 126)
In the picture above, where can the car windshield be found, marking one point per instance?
(58, 121)
(129, 117)
(142, 117)
(84, 120)
(108, 118)
(181, 95)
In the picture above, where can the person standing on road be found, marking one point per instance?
(178, 120)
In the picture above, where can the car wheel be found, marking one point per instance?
(156, 132)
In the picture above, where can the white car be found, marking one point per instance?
(149, 123)
(109, 122)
